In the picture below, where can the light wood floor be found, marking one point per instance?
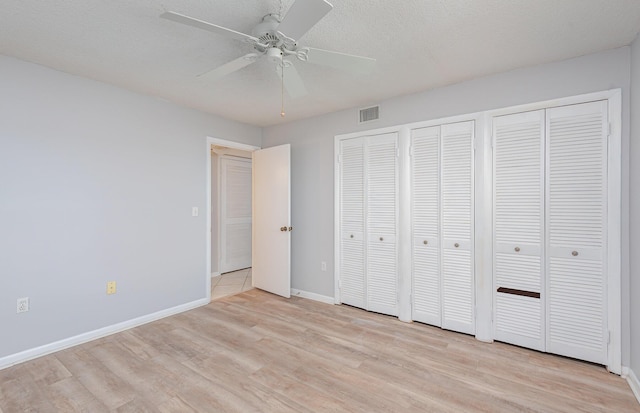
(255, 352)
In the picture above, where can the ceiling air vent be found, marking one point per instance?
(369, 114)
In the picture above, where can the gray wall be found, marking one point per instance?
(97, 184)
(634, 176)
(312, 143)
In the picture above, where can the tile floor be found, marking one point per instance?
(231, 283)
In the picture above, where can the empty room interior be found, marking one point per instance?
(312, 205)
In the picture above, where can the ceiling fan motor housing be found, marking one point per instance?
(274, 54)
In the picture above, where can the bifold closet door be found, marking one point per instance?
(443, 288)
(518, 142)
(381, 223)
(457, 177)
(576, 219)
(425, 212)
(368, 223)
(352, 230)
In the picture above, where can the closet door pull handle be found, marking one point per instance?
(381, 239)
(574, 253)
(456, 245)
(517, 249)
(425, 242)
(351, 236)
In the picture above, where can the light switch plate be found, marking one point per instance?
(194, 211)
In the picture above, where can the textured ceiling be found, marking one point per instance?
(418, 44)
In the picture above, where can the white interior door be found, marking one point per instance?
(519, 229)
(271, 240)
(577, 227)
(381, 222)
(458, 284)
(425, 212)
(352, 226)
(235, 214)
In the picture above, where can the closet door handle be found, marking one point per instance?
(517, 249)
(425, 242)
(456, 245)
(381, 239)
(283, 229)
(574, 253)
(351, 236)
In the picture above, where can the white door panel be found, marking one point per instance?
(457, 177)
(518, 228)
(576, 230)
(271, 213)
(235, 214)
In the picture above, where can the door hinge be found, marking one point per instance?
(411, 150)
(339, 158)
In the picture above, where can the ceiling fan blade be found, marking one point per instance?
(342, 61)
(302, 16)
(210, 27)
(230, 67)
(292, 80)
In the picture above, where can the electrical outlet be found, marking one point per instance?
(111, 287)
(323, 266)
(23, 305)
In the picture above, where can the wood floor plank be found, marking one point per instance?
(256, 352)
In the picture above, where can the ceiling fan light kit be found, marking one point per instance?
(277, 39)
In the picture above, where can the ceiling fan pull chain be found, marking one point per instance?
(282, 90)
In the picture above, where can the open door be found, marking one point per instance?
(271, 240)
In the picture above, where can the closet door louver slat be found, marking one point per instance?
(425, 207)
(576, 222)
(458, 289)
(518, 228)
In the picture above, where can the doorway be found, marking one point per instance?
(229, 194)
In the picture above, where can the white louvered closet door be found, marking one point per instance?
(458, 289)
(576, 231)
(425, 211)
(518, 150)
(382, 209)
(352, 215)
(235, 214)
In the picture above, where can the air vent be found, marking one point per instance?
(369, 114)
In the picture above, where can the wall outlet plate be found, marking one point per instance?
(111, 287)
(22, 305)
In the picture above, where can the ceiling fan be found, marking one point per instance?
(277, 39)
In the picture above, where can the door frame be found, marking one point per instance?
(229, 144)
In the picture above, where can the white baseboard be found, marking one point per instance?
(215, 274)
(313, 296)
(632, 379)
(36, 352)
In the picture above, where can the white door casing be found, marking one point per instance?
(271, 238)
(235, 213)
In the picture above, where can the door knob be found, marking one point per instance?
(351, 236)
(290, 229)
(456, 245)
(283, 228)
(517, 249)
(425, 242)
(574, 253)
(381, 239)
